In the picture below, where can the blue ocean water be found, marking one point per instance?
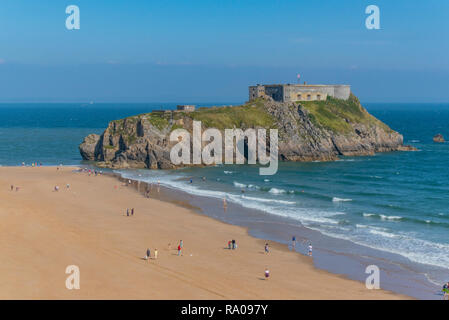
(395, 202)
(51, 133)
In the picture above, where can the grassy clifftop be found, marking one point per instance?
(244, 116)
(332, 114)
(335, 114)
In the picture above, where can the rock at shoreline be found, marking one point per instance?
(438, 138)
(308, 131)
(407, 148)
(89, 147)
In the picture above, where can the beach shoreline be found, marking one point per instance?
(86, 224)
(337, 256)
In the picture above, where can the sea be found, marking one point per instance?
(391, 206)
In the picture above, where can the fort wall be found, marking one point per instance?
(298, 92)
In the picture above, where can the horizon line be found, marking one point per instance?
(185, 102)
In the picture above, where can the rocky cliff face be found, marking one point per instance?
(308, 131)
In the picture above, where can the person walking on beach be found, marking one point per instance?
(310, 250)
(12, 188)
(446, 291)
(293, 242)
(233, 244)
(155, 254)
(267, 273)
(148, 256)
(179, 250)
(127, 212)
(224, 204)
(132, 211)
(266, 248)
(229, 244)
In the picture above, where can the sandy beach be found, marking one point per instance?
(43, 231)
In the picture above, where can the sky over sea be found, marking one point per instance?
(200, 51)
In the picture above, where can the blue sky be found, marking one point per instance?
(195, 51)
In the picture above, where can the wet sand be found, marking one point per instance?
(43, 231)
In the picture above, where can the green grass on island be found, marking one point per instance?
(245, 116)
(331, 114)
(336, 114)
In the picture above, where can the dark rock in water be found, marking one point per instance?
(308, 131)
(438, 138)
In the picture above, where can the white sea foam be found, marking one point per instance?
(393, 218)
(252, 186)
(382, 216)
(369, 214)
(228, 172)
(276, 191)
(269, 200)
(239, 185)
(335, 199)
(383, 233)
(417, 250)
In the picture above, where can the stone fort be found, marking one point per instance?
(299, 92)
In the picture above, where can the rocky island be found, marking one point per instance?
(438, 138)
(308, 131)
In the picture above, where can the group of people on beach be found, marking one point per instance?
(33, 164)
(148, 255)
(90, 171)
(309, 248)
(179, 249)
(232, 244)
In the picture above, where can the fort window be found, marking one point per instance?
(299, 97)
(308, 97)
(318, 97)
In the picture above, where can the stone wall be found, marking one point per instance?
(297, 92)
